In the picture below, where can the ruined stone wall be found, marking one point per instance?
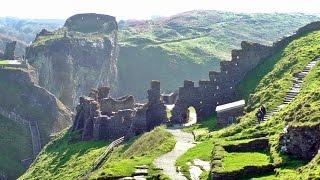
(302, 142)
(156, 111)
(109, 119)
(110, 105)
(9, 51)
(229, 117)
(220, 88)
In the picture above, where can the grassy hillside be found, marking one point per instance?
(270, 90)
(65, 159)
(190, 44)
(267, 84)
(15, 145)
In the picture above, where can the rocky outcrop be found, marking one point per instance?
(102, 117)
(301, 141)
(69, 61)
(91, 22)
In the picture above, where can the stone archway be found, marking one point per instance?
(191, 116)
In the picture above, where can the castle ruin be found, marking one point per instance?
(220, 88)
(102, 117)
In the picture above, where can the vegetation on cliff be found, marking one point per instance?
(15, 145)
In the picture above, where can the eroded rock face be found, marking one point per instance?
(70, 63)
(302, 142)
(21, 95)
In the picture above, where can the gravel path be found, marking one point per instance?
(167, 161)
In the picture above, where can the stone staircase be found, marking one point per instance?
(295, 89)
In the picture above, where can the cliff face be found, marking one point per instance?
(21, 95)
(72, 60)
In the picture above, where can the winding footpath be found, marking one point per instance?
(167, 161)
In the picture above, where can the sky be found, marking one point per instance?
(145, 9)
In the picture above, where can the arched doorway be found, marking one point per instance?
(191, 116)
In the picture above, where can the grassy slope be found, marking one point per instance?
(267, 84)
(270, 90)
(62, 159)
(141, 151)
(15, 145)
(190, 44)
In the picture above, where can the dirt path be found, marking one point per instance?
(167, 161)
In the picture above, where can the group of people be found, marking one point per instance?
(261, 113)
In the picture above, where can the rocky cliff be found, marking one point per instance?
(77, 57)
(21, 95)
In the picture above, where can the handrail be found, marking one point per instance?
(109, 148)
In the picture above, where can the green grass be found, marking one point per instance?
(201, 130)
(200, 151)
(191, 44)
(62, 159)
(238, 160)
(4, 62)
(141, 151)
(15, 145)
(268, 87)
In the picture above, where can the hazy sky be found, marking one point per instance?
(143, 9)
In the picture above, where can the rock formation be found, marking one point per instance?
(302, 142)
(20, 95)
(91, 22)
(72, 60)
(102, 117)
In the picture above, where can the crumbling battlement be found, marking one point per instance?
(220, 88)
(102, 117)
(91, 22)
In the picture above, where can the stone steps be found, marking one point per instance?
(294, 91)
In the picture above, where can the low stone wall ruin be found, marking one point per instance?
(302, 142)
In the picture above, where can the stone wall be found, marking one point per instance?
(102, 117)
(228, 117)
(301, 141)
(110, 105)
(220, 88)
(9, 51)
(156, 112)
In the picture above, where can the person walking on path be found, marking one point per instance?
(259, 115)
